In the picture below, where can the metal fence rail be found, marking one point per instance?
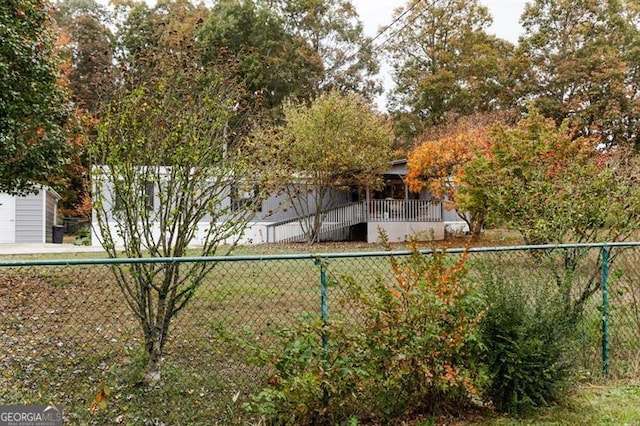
(65, 331)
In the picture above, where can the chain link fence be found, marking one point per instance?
(67, 334)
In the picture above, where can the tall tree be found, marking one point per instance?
(91, 50)
(553, 187)
(335, 34)
(335, 143)
(87, 46)
(444, 63)
(33, 106)
(584, 55)
(156, 40)
(146, 34)
(272, 63)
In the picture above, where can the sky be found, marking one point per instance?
(506, 15)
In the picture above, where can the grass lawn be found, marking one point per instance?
(610, 403)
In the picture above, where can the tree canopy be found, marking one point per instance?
(335, 33)
(272, 63)
(336, 142)
(90, 48)
(444, 62)
(438, 165)
(584, 58)
(33, 106)
(553, 187)
(87, 46)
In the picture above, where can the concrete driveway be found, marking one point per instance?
(13, 249)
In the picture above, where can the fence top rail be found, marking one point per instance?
(302, 256)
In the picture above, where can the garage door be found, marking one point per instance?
(7, 218)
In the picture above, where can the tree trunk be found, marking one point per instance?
(153, 346)
(476, 230)
(316, 227)
(155, 339)
(476, 224)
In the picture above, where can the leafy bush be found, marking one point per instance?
(83, 237)
(416, 351)
(421, 340)
(527, 336)
(307, 383)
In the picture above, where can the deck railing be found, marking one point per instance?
(342, 217)
(405, 211)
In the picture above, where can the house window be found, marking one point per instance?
(147, 193)
(245, 198)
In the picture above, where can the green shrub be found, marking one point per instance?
(415, 351)
(82, 237)
(307, 384)
(527, 336)
(421, 338)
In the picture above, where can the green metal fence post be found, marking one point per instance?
(324, 312)
(605, 310)
(324, 308)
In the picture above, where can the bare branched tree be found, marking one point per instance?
(165, 160)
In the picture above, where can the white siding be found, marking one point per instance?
(279, 207)
(7, 218)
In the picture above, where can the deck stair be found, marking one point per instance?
(340, 218)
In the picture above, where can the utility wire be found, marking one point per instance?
(385, 29)
(398, 18)
(419, 15)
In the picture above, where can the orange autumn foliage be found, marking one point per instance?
(438, 165)
(435, 163)
(424, 322)
(63, 45)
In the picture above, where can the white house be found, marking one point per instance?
(357, 215)
(28, 218)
